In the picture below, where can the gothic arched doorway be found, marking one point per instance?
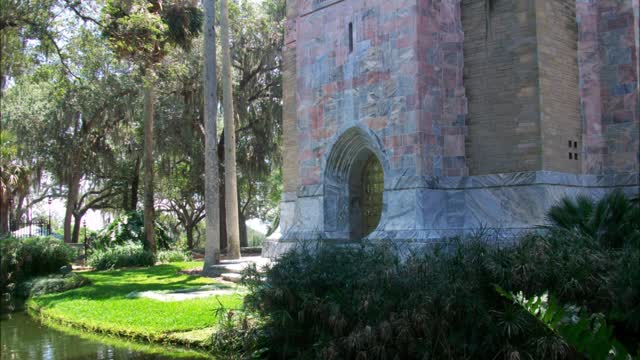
(353, 186)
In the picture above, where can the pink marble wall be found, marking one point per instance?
(403, 80)
(608, 62)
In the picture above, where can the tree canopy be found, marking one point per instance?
(74, 76)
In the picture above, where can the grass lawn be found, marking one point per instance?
(104, 306)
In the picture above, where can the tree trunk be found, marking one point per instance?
(4, 214)
(231, 181)
(149, 211)
(72, 199)
(135, 184)
(189, 230)
(224, 244)
(19, 210)
(76, 228)
(211, 191)
(244, 240)
(125, 197)
(223, 219)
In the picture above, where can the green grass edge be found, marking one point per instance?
(171, 340)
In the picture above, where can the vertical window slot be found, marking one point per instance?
(350, 38)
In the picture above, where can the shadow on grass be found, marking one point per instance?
(117, 284)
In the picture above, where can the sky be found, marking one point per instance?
(96, 220)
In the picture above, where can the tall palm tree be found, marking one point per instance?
(212, 201)
(231, 180)
(146, 43)
(15, 178)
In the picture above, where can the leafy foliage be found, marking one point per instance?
(169, 256)
(51, 284)
(613, 220)
(588, 334)
(129, 228)
(129, 254)
(34, 256)
(239, 332)
(24, 258)
(142, 30)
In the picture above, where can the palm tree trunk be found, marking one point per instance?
(149, 211)
(223, 220)
(224, 244)
(135, 184)
(4, 213)
(231, 184)
(244, 239)
(212, 241)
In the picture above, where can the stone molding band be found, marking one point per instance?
(550, 178)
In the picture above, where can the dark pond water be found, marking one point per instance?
(21, 337)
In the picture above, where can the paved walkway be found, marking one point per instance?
(184, 294)
(227, 270)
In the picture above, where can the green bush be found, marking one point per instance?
(613, 220)
(169, 256)
(24, 258)
(129, 228)
(129, 254)
(438, 303)
(51, 284)
(21, 259)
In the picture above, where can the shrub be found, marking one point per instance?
(51, 284)
(168, 256)
(613, 220)
(129, 228)
(23, 258)
(239, 333)
(129, 254)
(440, 302)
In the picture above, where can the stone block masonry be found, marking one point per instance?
(480, 112)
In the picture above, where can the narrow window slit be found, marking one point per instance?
(350, 37)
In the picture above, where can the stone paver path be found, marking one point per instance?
(185, 294)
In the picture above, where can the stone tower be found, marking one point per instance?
(413, 120)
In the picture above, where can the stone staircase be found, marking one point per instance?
(231, 270)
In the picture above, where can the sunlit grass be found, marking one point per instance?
(105, 307)
(167, 351)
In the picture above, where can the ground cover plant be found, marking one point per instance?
(441, 302)
(169, 256)
(107, 305)
(126, 255)
(49, 284)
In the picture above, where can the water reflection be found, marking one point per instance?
(23, 338)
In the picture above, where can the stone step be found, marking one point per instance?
(237, 266)
(233, 277)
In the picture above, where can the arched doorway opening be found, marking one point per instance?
(353, 186)
(366, 187)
